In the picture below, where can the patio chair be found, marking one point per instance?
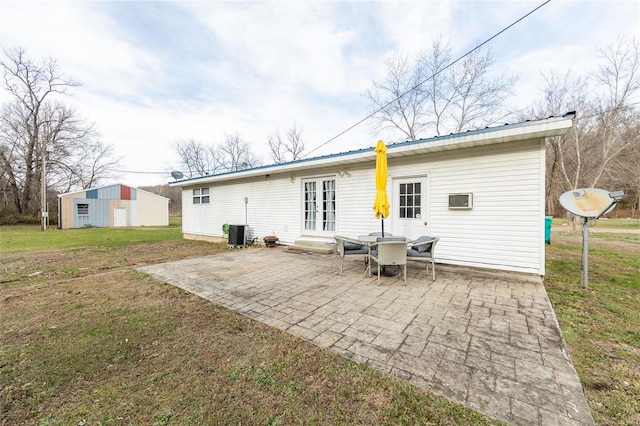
(388, 251)
(422, 250)
(350, 247)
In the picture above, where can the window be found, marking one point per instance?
(201, 196)
(410, 200)
(82, 209)
(310, 205)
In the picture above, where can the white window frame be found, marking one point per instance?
(324, 218)
(201, 195)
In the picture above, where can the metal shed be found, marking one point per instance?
(112, 206)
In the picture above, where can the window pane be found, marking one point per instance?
(205, 191)
(410, 200)
(196, 200)
(310, 205)
(205, 199)
(329, 205)
(196, 192)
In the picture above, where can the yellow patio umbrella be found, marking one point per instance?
(381, 204)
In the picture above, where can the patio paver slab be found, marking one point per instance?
(488, 340)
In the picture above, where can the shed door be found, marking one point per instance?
(410, 207)
(120, 216)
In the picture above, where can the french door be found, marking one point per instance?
(319, 205)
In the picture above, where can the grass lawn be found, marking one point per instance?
(601, 324)
(85, 339)
(630, 224)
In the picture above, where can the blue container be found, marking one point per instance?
(547, 229)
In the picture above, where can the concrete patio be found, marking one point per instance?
(489, 340)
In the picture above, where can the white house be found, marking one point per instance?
(482, 192)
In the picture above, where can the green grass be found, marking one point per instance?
(30, 237)
(83, 337)
(601, 323)
(88, 340)
(604, 223)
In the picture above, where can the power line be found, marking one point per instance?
(428, 78)
(586, 117)
(142, 173)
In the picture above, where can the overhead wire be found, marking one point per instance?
(372, 114)
(428, 78)
(403, 94)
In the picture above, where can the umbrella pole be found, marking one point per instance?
(383, 271)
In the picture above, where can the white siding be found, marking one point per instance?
(149, 209)
(273, 208)
(504, 230)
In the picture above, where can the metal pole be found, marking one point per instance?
(246, 221)
(585, 253)
(43, 189)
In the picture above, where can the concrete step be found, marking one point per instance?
(312, 246)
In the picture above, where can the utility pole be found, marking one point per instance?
(43, 189)
(46, 149)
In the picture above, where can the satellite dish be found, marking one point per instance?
(177, 175)
(588, 202)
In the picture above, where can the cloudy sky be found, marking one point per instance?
(156, 72)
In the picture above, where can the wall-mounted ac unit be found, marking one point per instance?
(461, 201)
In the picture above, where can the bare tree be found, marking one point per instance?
(615, 122)
(36, 128)
(290, 149)
(600, 148)
(197, 158)
(427, 95)
(236, 154)
(200, 159)
(562, 93)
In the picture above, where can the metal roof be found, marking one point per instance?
(530, 129)
(108, 186)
